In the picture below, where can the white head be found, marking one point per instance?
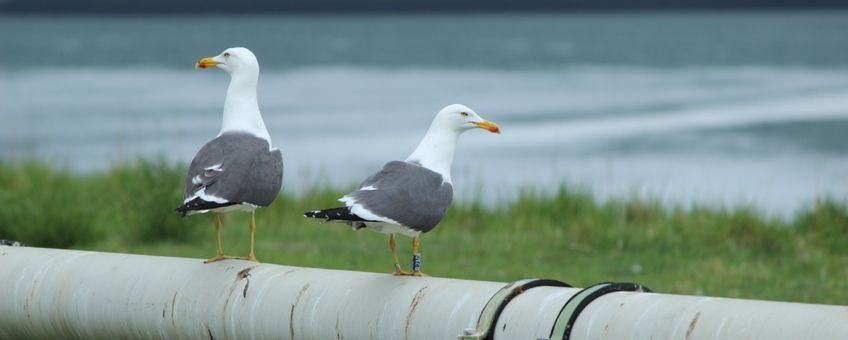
(460, 118)
(233, 60)
(436, 150)
(241, 107)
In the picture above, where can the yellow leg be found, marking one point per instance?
(218, 234)
(220, 255)
(416, 258)
(393, 246)
(252, 256)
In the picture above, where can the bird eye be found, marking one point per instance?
(464, 114)
(226, 54)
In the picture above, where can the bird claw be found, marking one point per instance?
(221, 257)
(217, 258)
(401, 272)
(245, 258)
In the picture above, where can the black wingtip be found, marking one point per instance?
(313, 214)
(334, 214)
(12, 243)
(199, 204)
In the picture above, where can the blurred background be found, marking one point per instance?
(733, 104)
(729, 105)
(719, 107)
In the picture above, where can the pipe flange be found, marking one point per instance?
(569, 313)
(492, 310)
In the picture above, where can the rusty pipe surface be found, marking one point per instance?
(630, 315)
(665, 316)
(51, 293)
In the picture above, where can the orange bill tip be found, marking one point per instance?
(206, 63)
(489, 126)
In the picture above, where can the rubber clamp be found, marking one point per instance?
(569, 313)
(489, 316)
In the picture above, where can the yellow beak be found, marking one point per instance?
(206, 63)
(487, 125)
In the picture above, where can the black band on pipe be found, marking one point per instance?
(569, 313)
(489, 316)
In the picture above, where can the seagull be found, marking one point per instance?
(410, 197)
(239, 169)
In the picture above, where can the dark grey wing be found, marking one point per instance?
(405, 193)
(204, 169)
(234, 168)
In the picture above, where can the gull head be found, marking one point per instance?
(461, 118)
(436, 150)
(233, 60)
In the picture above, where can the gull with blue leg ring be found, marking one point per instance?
(410, 197)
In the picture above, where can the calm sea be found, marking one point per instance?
(713, 108)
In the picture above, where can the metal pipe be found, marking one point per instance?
(656, 316)
(50, 293)
(633, 315)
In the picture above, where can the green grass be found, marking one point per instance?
(566, 235)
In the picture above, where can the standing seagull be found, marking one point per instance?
(410, 197)
(239, 169)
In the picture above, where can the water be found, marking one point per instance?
(718, 109)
